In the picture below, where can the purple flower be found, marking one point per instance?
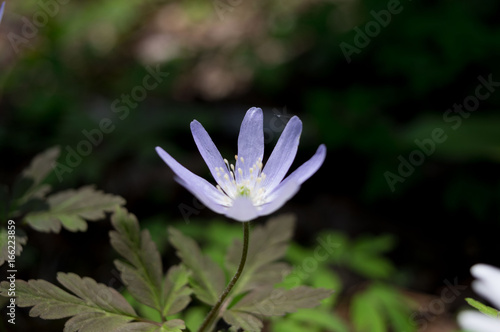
(247, 189)
(488, 286)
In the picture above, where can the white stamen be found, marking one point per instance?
(248, 184)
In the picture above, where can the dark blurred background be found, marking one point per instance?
(403, 93)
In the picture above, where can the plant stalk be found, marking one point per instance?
(212, 315)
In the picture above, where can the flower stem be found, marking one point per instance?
(212, 315)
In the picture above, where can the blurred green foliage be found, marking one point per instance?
(378, 306)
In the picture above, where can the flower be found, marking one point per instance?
(247, 189)
(487, 285)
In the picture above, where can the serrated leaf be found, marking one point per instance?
(142, 273)
(176, 293)
(28, 185)
(487, 310)
(42, 164)
(279, 301)
(94, 307)
(71, 208)
(208, 279)
(20, 240)
(104, 297)
(267, 244)
(243, 320)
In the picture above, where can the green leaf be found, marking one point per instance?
(20, 240)
(483, 308)
(324, 320)
(371, 266)
(290, 325)
(375, 244)
(397, 308)
(327, 278)
(208, 279)
(267, 244)
(71, 208)
(365, 256)
(28, 185)
(41, 165)
(243, 320)
(366, 314)
(176, 293)
(194, 316)
(379, 307)
(279, 301)
(142, 273)
(174, 325)
(93, 307)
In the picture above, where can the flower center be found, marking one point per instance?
(240, 182)
(243, 191)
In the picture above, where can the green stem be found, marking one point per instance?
(212, 315)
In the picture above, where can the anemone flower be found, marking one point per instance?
(488, 286)
(247, 188)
